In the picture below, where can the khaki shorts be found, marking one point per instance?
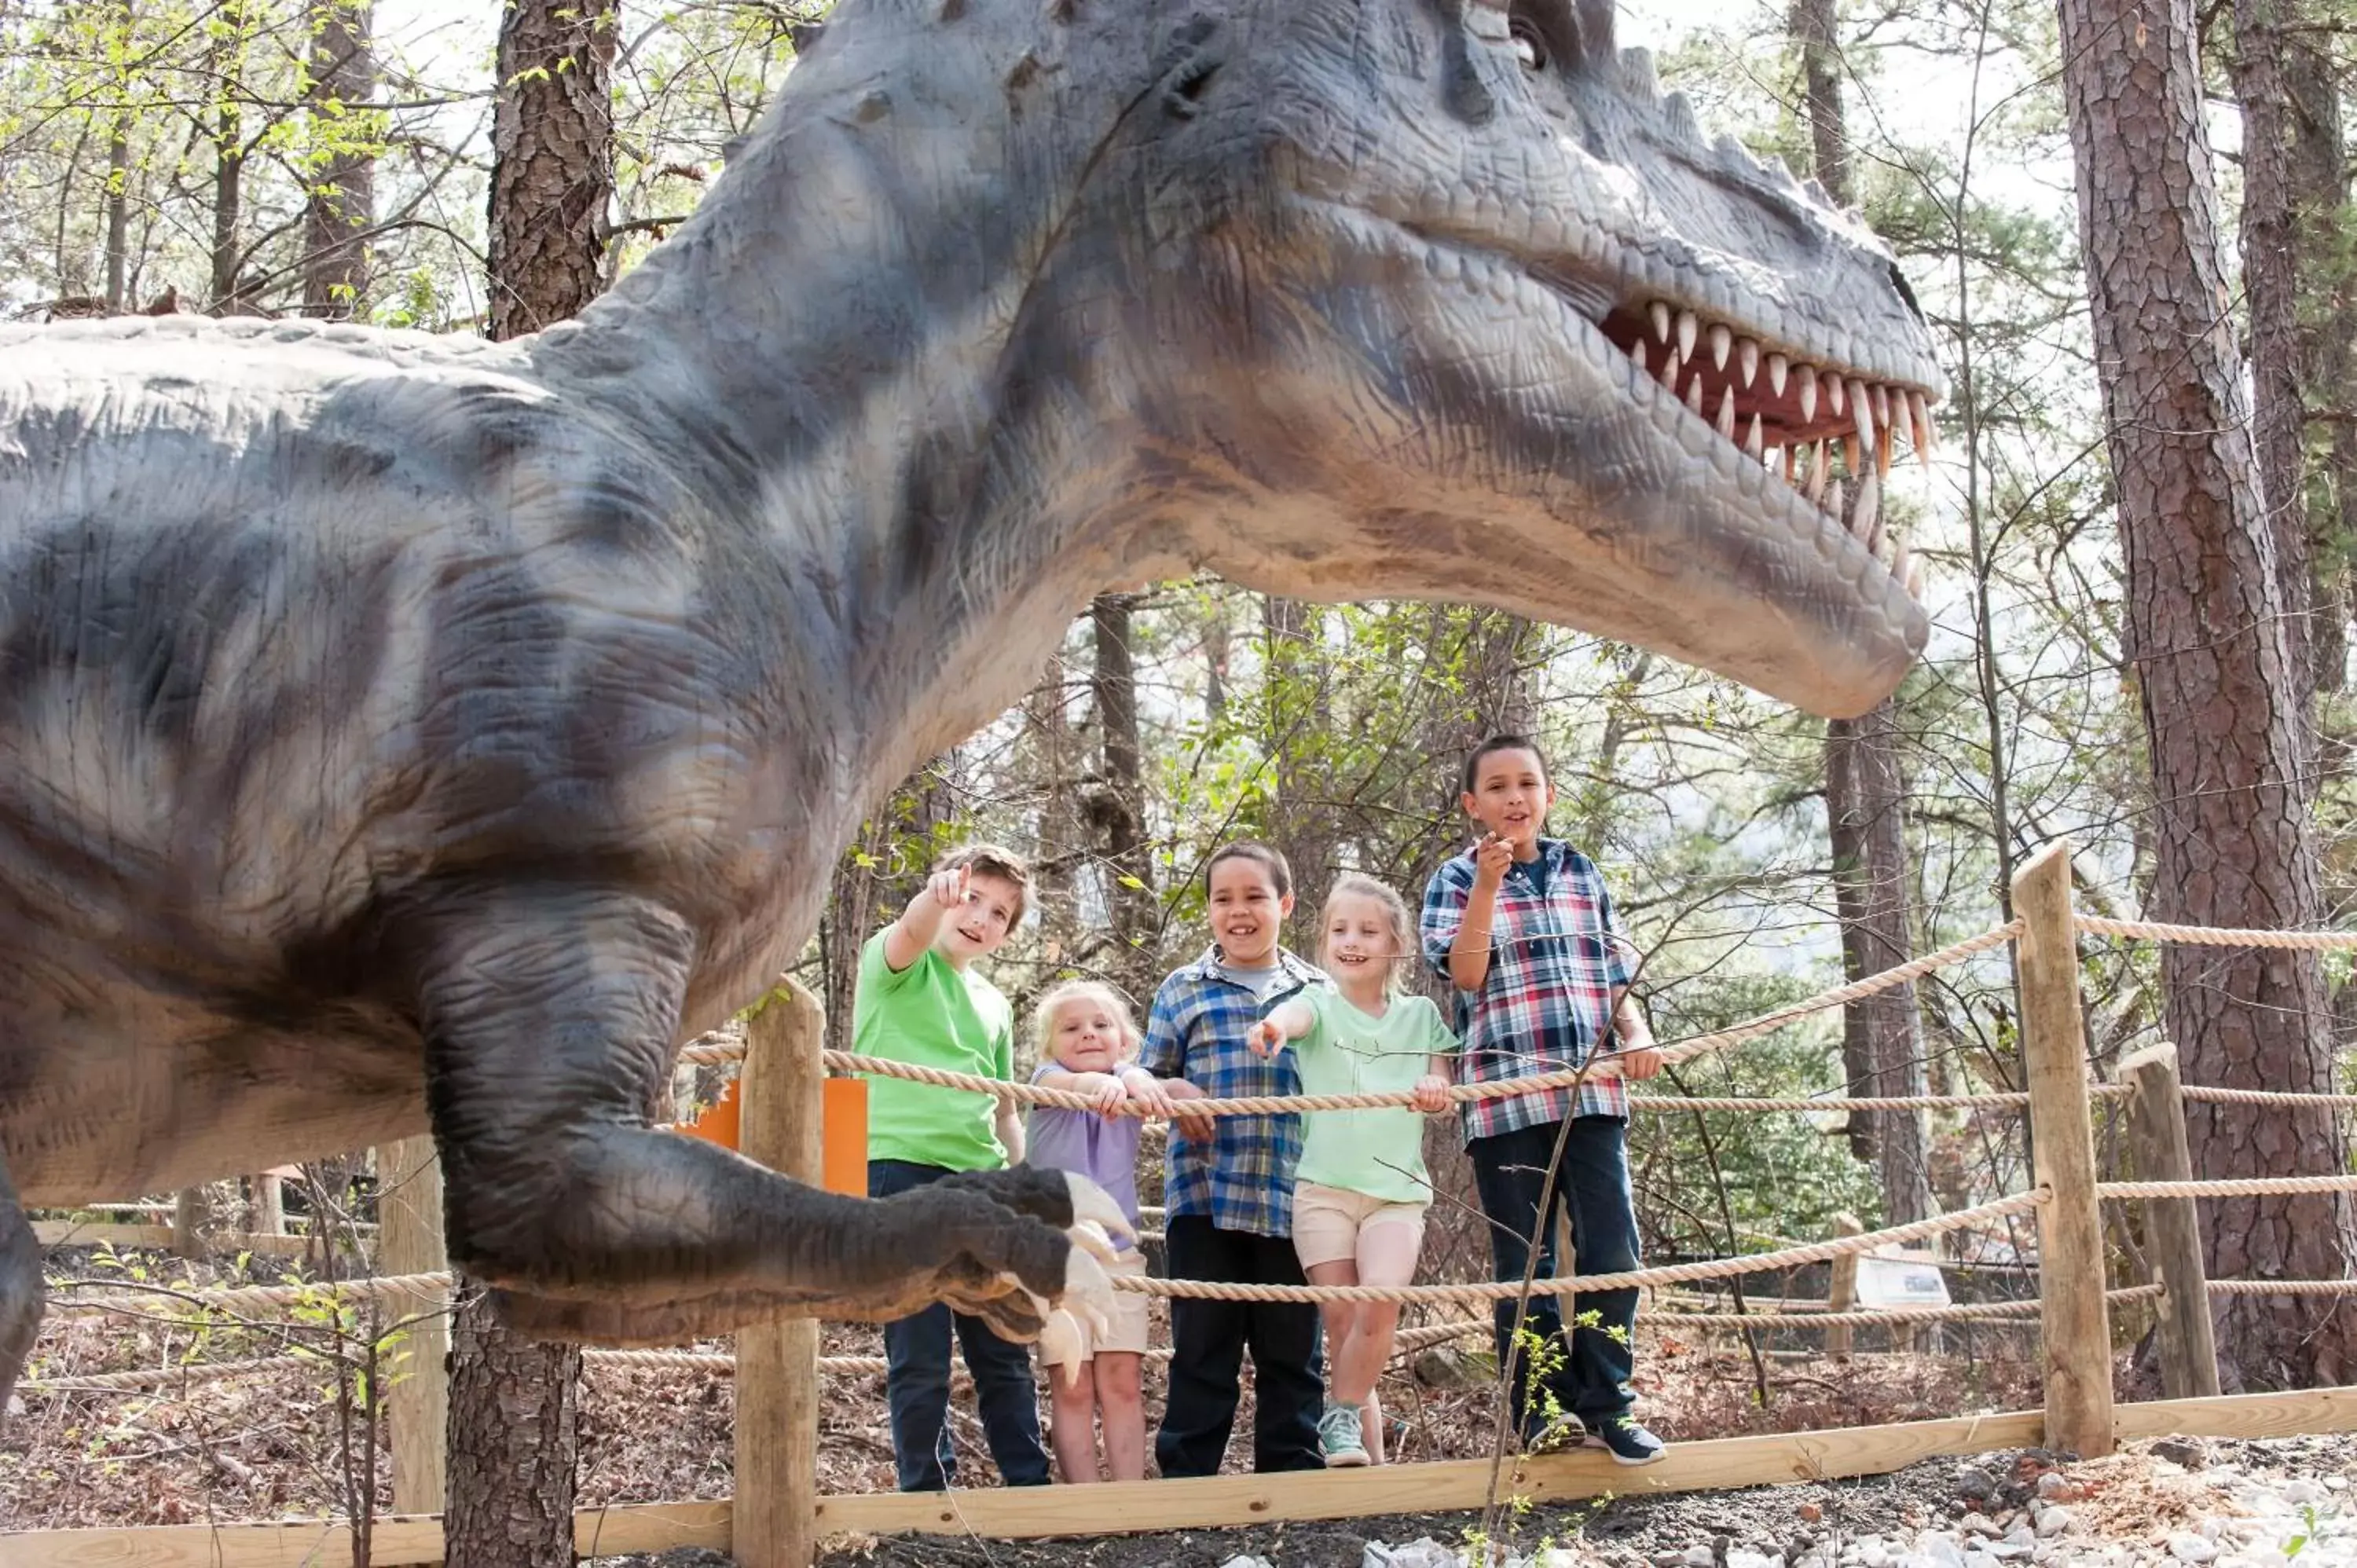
(1129, 1330)
(1327, 1221)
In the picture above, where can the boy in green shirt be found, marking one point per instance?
(918, 1000)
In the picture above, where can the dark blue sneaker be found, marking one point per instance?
(1625, 1440)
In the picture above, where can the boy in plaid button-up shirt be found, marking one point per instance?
(1228, 1193)
(1522, 928)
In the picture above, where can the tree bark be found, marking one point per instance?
(2271, 288)
(2318, 173)
(2231, 833)
(515, 1436)
(342, 203)
(553, 161)
(1118, 805)
(1865, 789)
(227, 133)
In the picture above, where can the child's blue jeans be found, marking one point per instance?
(1590, 1380)
(917, 1377)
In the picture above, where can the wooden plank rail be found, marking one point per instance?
(1128, 1507)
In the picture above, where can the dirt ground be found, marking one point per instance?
(270, 1446)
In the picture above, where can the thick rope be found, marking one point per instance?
(1505, 1089)
(148, 1376)
(2283, 1288)
(243, 1299)
(2215, 936)
(2288, 1099)
(2247, 1186)
(1969, 1312)
(1672, 1273)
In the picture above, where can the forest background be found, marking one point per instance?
(429, 165)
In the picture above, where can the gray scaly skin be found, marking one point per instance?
(398, 730)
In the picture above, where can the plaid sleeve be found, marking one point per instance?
(1445, 897)
(1164, 1052)
(1619, 950)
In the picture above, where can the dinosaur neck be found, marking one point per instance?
(839, 352)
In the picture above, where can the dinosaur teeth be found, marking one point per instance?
(1694, 393)
(1726, 413)
(1913, 579)
(1883, 440)
(1746, 361)
(1834, 394)
(1850, 464)
(1792, 462)
(1779, 370)
(1833, 497)
(1722, 343)
(1902, 561)
(1881, 406)
(1808, 375)
(1919, 420)
(1688, 328)
(1659, 314)
(1637, 353)
(1867, 522)
(1754, 439)
(1666, 372)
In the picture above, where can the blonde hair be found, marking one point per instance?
(1352, 884)
(1043, 1020)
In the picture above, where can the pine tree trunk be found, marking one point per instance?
(1120, 803)
(515, 1432)
(514, 1403)
(2231, 834)
(1866, 790)
(343, 197)
(226, 129)
(553, 168)
(2319, 172)
(2272, 291)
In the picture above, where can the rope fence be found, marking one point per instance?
(2216, 936)
(2242, 1187)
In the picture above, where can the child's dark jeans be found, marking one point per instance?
(917, 1379)
(1590, 1380)
(1208, 1340)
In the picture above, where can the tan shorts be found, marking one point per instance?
(1327, 1221)
(1129, 1330)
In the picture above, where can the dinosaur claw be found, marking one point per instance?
(1089, 1234)
(1093, 1205)
(1061, 1342)
(1088, 1292)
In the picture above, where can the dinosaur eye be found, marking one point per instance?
(1528, 46)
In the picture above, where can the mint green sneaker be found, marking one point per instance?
(1338, 1436)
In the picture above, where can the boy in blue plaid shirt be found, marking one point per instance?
(1228, 1191)
(1522, 928)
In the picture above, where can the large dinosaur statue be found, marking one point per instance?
(399, 731)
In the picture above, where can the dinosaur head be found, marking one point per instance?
(1480, 315)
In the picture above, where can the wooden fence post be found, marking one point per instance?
(193, 1216)
(2069, 1228)
(1841, 1293)
(417, 1389)
(2189, 1345)
(773, 1523)
(268, 1215)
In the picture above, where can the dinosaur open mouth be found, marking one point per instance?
(1830, 431)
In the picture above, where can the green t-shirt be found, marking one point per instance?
(1378, 1152)
(932, 1014)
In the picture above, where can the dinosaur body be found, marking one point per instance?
(398, 731)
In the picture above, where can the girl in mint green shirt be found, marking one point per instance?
(1360, 1197)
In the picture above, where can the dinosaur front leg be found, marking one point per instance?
(547, 1016)
(20, 1287)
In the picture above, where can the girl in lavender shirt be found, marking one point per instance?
(1086, 1038)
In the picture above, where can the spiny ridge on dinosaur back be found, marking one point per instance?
(401, 732)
